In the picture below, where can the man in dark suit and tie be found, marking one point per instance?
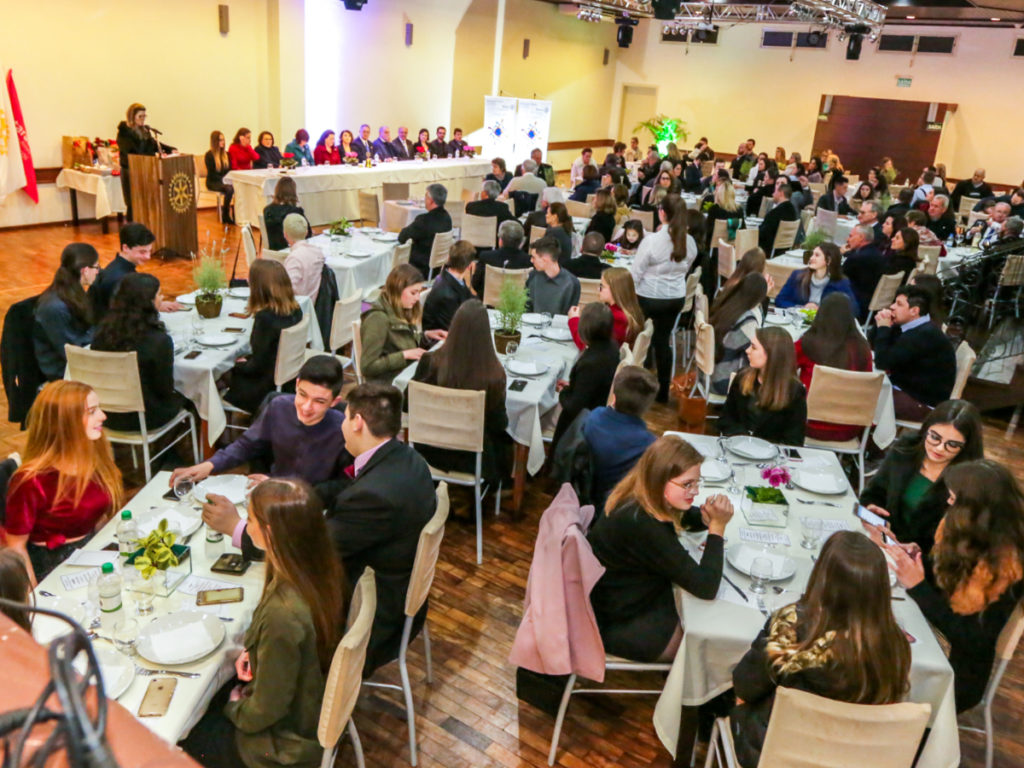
(423, 228)
(362, 146)
(508, 254)
(783, 210)
(374, 517)
(402, 148)
(870, 215)
(835, 200)
(383, 149)
(489, 205)
(439, 147)
(863, 264)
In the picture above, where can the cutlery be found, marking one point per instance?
(763, 608)
(822, 503)
(739, 591)
(44, 593)
(148, 672)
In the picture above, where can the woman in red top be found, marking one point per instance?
(619, 293)
(241, 152)
(68, 484)
(325, 153)
(833, 340)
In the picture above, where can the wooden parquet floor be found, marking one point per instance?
(469, 715)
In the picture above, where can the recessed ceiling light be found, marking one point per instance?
(911, 18)
(995, 18)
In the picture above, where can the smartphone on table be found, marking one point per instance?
(220, 596)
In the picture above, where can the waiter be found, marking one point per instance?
(134, 137)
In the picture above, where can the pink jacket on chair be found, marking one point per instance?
(558, 634)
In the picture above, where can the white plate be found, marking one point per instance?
(824, 483)
(46, 628)
(774, 319)
(217, 339)
(714, 471)
(180, 638)
(740, 557)
(358, 254)
(116, 669)
(386, 237)
(556, 334)
(234, 487)
(188, 299)
(751, 447)
(534, 318)
(374, 231)
(525, 368)
(241, 292)
(185, 524)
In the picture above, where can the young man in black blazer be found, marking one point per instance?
(439, 147)
(783, 210)
(835, 199)
(450, 288)
(423, 228)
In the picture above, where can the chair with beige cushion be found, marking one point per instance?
(249, 244)
(401, 254)
(720, 233)
(726, 261)
(443, 242)
(826, 221)
(779, 273)
(931, 252)
(346, 674)
(643, 343)
(646, 218)
(395, 190)
(746, 239)
(704, 357)
(114, 376)
(694, 292)
(346, 311)
(456, 210)
(807, 730)
(416, 595)
(884, 295)
(975, 216)
(966, 206)
(590, 290)
(479, 230)
(844, 397)
(536, 233)
(291, 352)
(785, 237)
(369, 208)
(578, 210)
(495, 277)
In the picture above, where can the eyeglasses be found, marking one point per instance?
(693, 485)
(935, 439)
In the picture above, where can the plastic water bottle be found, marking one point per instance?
(127, 534)
(109, 585)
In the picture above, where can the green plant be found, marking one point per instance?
(339, 227)
(157, 554)
(664, 130)
(209, 275)
(814, 239)
(762, 494)
(511, 306)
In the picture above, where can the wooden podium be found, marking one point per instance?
(164, 199)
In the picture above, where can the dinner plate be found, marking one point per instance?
(184, 524)
(534, 318)
(234, 487)
(46, 628)
(116, 669)
(556, 334)
(386, 237)
(526, 367)
(715, 471)
(358, 254)
(825, 483)
(773, 319)
(217, 339)
(372, 231)
(241, 292)
(751, 447)
(179, 638)
(187, 298)
(740, 556)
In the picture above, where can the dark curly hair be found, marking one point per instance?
(132, 313)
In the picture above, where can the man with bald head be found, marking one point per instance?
(974, 187)
(990, 229)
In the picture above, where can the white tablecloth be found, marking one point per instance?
(396, 215)
(196, 379)
(326, 193)
(953, 258)
(191, 697)
(357, 274)
(106, 190)
(719, 632)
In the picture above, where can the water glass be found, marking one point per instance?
(183, 490)
(547, 318)
(196, 324)
(125, 634)
(811, 527)
(760, 572)
(144, 593)
(510, 350)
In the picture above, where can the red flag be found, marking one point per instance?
(26, 151)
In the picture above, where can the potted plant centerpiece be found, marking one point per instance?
(340, 227)
(211, 280)
(768, 505)
(664, 130)
(161, 563)
(511, 306)
(812, 241)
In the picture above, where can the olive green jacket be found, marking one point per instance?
(385, 336)
(278, 713)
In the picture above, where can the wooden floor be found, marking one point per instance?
(469, 716)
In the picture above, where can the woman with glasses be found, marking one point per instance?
(637, 542)
(909, 489)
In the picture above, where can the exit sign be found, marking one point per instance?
(904, 82)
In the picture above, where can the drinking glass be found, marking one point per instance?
(183, 490)
(145, 591)
(811, 527)
(547, 318)
(760, 572)
(125, 634)
(510, 350)
(196, 323)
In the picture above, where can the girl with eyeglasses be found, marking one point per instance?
(637, 542)
(909, 488)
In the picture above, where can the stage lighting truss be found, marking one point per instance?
(596, 10)
(825, 15)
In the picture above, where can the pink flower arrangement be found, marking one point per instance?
(776, 476)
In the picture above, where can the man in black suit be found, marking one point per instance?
(975, 187)
(136, 249)
(450, 288)
(439, 147)
(870, 215)
(402, 148)
(423, 228)
(383, 149)
(362, 146)
(836, 199)
(489, 205)
(588, 264)
(783, 210)
(864, 265)
(508, 254)
(902, 205)
(458, 144)
(918, 357)
(374, 517)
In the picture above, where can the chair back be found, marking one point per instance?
(495, 277)
(779, 274)
(765, 201)
(346, 311)
(443, 242)
(700, 303)
(249, 244)
(720, 232)
(446, 418)
(401, 254)
(114, 376)
(843, 397)
(929, 255)
(456, 210)
(726, 258)
(395, 190)
(974, 216)
(625, 355)
(966, 206)
(280, 256)
(369, 207)
(427, 550)
(704, 349)
(536, 233)
(808, 731)
(578, 210)
(745, 240)
(523, 202)
(590, 201)
(263, 227)
(965, 357)
(817, 186)
(785, 236)
(825, 221)
(643, 343)
(357, 349)
(646, 218)
(1013, 271)
(1009, 638)
(693, 286)
(855, 202)
(291, 351)
(346, 673)
(590, 290)
(885, 291)
(481, 231)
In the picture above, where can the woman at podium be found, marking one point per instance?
(134, 137)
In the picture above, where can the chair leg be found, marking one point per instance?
(712, 758)
(426, 653)
(145, 457)
(562, 707)
(410, 711)
(497, 500)
(195, 438)
(861, 469)
(327, 761)
(479, 522)
(357, 744)
(989, 735)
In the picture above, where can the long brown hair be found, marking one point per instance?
(300, 554)
(467, 359)
(833, 266)
(603, 202)
(270, 288)
(57, 442)
(67, 280)
(674, 208)
(400, 278)
(560, 212)
(778, 378)
(221, 160)
(747, 294)
(751, 263)
(15, 585)
(239, 134)
(285, 192)
(623, 290)
(911, 243)
(667, 457)
(834, 338)
(845, 622)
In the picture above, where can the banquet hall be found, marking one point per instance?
(513, 382)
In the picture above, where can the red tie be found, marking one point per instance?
(350, 471)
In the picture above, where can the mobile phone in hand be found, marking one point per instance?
(871, 518)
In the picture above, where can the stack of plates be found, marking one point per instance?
(525, 368)
(751, 447)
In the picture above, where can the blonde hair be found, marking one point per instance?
(725, 196)
(220, 156)
(400, 278)
(133, 109)
(621, 287)
(667, 457)
(270, 288)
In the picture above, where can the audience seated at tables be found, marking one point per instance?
(560, 227)
(630, 238)
(762, 185)
(977, 566)
(402, 147)
(133, 325)
(783, 210)
(489, 204)
(616, 434)
(864, 193)
(724, 207)
(529, 180)
(508, 254)
(585, 160)
(926, 188)
(603, 221)
(975, 187)
(218, 165)
(299, 149)
(375, 517)
(840, 640)
(241, 152)
(902, 205)
(325, 152)
(823, 276)
(67, 485)
(422, 229)
(363, 145)
(1015, 199)
(835, 340)
(273, 308)
(269, 154)
(439, 147)
(467, 360)
(636, 539)
(880, 186)
(552, 289)
(136, 249)
(305, 261)
(941, 220)
(834, 198)
(499, 173)
(618, 292)
(1013, 229)
(589, 264)
(766, 399)
(64, 312)
(616, 158)
(650, 167)
(391, 329)
(891, 224)
(284, 203)
(268, 715)
(917, 355)
(869, 216)
(540, 169)
(863, 266)
(451, 287)
(382, 147)
(735, 316)
(16, 586)
(909, 489)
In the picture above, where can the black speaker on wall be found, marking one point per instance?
(624, 36)
(354, 5)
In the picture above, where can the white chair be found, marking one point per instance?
(249, 244)
(443, 242)
(346, 311)
(704, 356)
(453, 419)
(280, 256)
(495, 277)
(975, 216)
(720, 233)
(420, 581)
(693, 289)
(456, 210)
(345, 676)
(578, 210)
(884, 295)
(646, 219)
(844, 397)
(726, 261)
(590, 290)
(481, 231)
(263, 228)
(401, 254)
(114, 376)
(357, 349)
(391, 190)
(966, 206)
(826, 221)
(746, 239)
(643, 343)
(779, 274)
(929, 255)
(965, 357)
(785, 237)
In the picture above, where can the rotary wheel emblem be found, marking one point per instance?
(179, 193)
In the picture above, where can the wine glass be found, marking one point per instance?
(760, 572)
(811, 527)
(196, 323)
(183, 490)
(511, 349)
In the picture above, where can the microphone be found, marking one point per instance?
(151, 129)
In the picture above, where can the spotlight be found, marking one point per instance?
(354, 5)
(624, 36)
(853, 47)
(814, 38)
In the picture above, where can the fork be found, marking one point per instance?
(145, 671)
(822, 503)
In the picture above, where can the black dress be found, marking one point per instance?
(604, 223)
(270, 157)
(155, 353)
(590, 381)
(253, 379)
(741, 415)
(633, 601)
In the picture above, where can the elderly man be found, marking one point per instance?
(869, 215)
(783, 210)
(990, 229)
(304, 262)
(423, 228)
(576, 172)
(543, 170)
(489, 205)
(974, 187)
(383, 149)
(362, 146)
(529, 182)
(402, 147)
(864, 265)
(508, 254)
(1012, 229)
(940, 219)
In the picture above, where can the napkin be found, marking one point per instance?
(181, 642)
(757, 536)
